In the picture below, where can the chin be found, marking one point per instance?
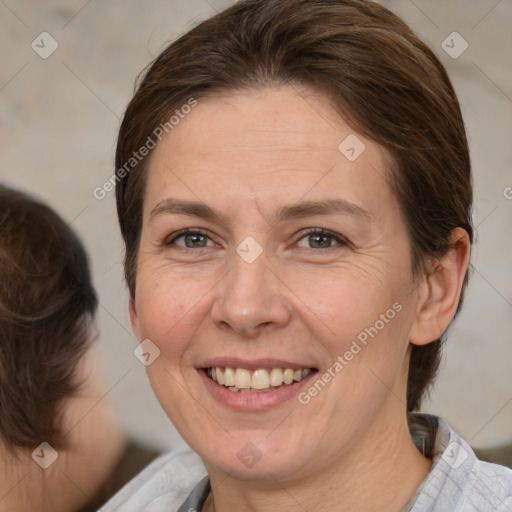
(263, 462)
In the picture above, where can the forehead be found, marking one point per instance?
(264, 121)
(280, 143)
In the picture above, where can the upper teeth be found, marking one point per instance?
(260, 379)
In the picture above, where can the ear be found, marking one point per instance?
(440, 291)
(134, 319)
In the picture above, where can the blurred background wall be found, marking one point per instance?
(67, 72)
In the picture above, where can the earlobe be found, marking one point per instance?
(442, 290)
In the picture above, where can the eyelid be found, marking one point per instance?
(184, 232)
(321, 231)
(303, 234)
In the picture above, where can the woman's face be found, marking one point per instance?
(298, 265)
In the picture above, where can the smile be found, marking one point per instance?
(261, 380)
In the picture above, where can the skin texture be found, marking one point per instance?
(246, 155)
(95, 443)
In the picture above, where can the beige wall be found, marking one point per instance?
(59, 117)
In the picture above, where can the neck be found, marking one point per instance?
(382, 472)
(92, 446)
(77, 474)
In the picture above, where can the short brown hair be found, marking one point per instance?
(47, 303)
(379, 76)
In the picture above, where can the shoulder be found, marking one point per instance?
(458, 480)
(165, 482)
(484, 486)
(490, 487)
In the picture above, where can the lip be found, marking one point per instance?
(256, 401)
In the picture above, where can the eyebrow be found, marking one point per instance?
(297, 211)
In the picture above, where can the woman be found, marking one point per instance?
(294, 193)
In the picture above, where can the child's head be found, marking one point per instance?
(47, 304)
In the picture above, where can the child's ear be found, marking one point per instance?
(134, 319)
(441, 290)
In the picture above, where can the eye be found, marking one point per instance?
(191, 239)
(320, 239)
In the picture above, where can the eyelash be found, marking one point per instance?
(323, 232)
(309, 232)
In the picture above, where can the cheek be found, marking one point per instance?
(167, 311)
(362, 324)
(341, 302)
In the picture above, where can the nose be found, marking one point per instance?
(251, 298)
